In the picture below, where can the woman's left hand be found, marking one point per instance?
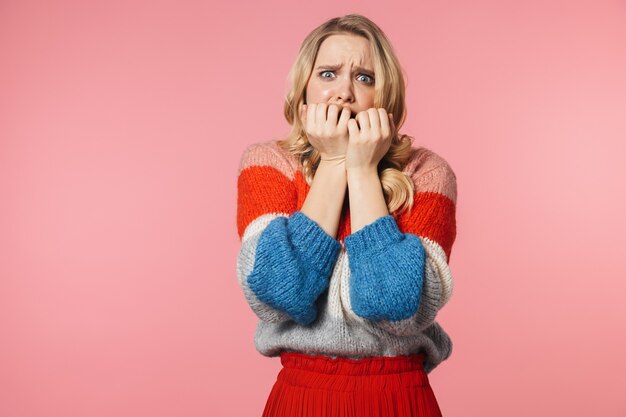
(370, 139)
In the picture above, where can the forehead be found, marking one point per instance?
(344, 47)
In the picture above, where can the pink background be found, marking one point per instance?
(121, 128)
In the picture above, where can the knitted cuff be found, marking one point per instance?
(317, 247)
(375, 236)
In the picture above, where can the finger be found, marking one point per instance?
(344, 117)
(320, 113)
(333, 110)
(383, 116)
(353, 128)
(363, 119)
(310, 115)
(374, 120)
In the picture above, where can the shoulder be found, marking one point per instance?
(268, 154)
(424, 160)
(431, 172)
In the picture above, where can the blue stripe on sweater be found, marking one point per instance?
(294, 259)
(386, 271)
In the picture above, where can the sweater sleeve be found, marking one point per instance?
(286, 258)
(399, 270)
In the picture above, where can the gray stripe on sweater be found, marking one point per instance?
(245, 265)
(339, 332)
(338, 338)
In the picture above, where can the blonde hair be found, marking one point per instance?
(389, 93)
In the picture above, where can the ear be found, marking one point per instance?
(303, 111)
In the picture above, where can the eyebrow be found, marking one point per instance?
(337, 66)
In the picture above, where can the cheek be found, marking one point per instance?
(316, 93)
(366, 99)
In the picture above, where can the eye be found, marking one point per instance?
(323, 72)
(371, 79)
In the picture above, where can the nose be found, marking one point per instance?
(344, 92)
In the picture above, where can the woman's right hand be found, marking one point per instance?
(326, 129)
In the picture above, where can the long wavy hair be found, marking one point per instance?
(389, 93)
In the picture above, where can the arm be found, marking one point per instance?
(399, 269)
(325, 198)
(285, 257)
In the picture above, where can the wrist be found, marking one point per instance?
(339, 160)
(362, 171)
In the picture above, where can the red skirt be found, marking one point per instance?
(319, 386)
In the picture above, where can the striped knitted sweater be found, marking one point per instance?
(372, 293)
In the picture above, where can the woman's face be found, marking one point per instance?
(343, 74)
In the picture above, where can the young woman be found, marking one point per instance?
(346, 233)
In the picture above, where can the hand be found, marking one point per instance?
(327, 133)
(370, 139)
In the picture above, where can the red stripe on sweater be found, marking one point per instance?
(262, 190)
(432, 216)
